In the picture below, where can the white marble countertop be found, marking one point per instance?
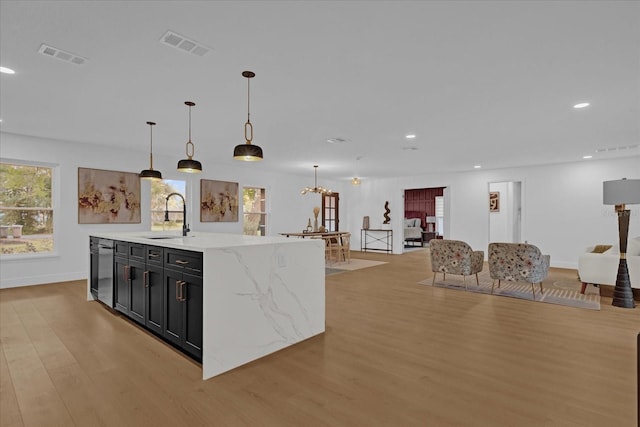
(196, 241)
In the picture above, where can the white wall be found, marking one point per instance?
(504, 225)
(288, 210)
(562, 210)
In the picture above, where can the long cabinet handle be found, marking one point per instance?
(179, 290)
(182, 284)
(153, 255)
(181, 262)
(145, 278)
(125, 273)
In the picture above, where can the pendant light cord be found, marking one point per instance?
(248, 127)
(248, 98)
(151, 146)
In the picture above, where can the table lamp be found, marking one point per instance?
(620, 193)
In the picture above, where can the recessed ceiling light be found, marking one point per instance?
(581, 105)
(6, 70)
(410, 136)
(477, 166)
(336, 140)
(587, 157)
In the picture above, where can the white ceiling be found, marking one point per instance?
(490, 83)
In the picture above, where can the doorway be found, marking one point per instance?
(505, 211)
(330, 211)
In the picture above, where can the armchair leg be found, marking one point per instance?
(583, 288)
(533, 289)
(477, 281)
(492, 284)
(464, 280)
(433, 282)
(541, 290)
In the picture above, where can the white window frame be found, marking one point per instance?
(265, 212)
(55, 201)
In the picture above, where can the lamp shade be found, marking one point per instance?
(621, 192)
(189, 165)
(150, 174)
(247, 152)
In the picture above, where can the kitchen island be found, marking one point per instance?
(254, 295)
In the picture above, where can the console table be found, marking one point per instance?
(370, 236)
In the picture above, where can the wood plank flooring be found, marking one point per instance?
(395, 353)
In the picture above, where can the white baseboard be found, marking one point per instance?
(41, 280)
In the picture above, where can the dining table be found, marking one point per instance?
(328, 236)
(315, 234)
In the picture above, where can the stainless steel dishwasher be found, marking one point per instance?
(105, 271)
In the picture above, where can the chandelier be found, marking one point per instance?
(315, 189)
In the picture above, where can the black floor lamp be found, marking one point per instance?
(620, 193)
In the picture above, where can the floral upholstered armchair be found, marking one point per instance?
(518, 262)
(455, 257)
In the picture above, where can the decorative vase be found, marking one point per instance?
(309, 227)
(316, 212)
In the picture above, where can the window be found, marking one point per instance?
(440, 215)
(26, 208)
(330, 211)
(254, 211)
(160, 189)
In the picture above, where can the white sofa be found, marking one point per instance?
(602, 269)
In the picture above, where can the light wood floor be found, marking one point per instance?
(394, 354)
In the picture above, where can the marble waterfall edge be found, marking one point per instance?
(260, 299)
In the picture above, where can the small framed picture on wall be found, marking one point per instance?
(494, 201)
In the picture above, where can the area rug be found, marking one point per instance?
(355, 264)
(560, 292)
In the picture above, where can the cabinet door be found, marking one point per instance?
(192, 300)
(173, 321)
(121, 297)
(154, 318)
(137, 291)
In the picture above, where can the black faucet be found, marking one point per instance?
(185, 226)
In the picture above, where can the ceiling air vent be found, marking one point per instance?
(62, 55)
(184, 44)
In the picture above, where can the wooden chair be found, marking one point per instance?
(327, 247)
(343, 248)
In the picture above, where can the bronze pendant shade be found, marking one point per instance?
(150, 173)
(189, 164)
(248, 152)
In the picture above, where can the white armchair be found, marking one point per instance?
(602, 268)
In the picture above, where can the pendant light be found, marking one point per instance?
(188, 164)
(246, 151)
(316, 189)
(150, 173)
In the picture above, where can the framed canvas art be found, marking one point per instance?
(108, 197)
(218, 201)
(494, 201)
